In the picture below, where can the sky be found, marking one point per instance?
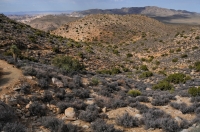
(77, 5)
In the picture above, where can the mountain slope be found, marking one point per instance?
(112, 28)
(50, 22)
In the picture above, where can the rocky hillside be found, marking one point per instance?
(147, 83)
(112, 28)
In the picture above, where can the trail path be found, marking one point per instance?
(11, 75)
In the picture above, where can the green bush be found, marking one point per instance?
(144, 68)
(175, 60)
(184, 56)
(134, 93)
(163, 85)
(197, 66)
(94, 81)
(177, 78)
(197, 37)
(111, 71)
(146, 74)
(129, 55)
(194, 91)
(67, 63)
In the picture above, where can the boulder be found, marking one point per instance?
(70, 112)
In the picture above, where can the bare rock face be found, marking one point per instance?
(57, 82)
(70, 112)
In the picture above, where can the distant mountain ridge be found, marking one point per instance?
(148, 10)
(161, 14)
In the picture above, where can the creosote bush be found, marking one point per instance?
(197, 66)
(134, 93)
(100, 126)
(177, 78)
(163, 85)
(146, 74)
(67, 63)
(56, 125)
(194, 91)
(127, 120)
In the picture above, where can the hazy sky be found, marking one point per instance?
(63, 5)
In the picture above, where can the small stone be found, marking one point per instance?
(29, 77)
(70, 113)
(138, 116)
(104, 110)
(86, 127)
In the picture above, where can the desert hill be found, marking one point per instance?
(112, 28)
(50, 22)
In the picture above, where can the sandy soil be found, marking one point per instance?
(10, 77)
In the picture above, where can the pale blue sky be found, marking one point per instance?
(63, 5)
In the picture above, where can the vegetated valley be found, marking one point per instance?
(103, 72)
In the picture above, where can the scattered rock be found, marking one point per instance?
(104, 110)
(70, 113)
(57, 82)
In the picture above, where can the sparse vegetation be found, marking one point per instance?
(67, 63)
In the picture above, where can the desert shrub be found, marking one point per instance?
(134, 93)
(194, 91)
(100, 126)
(197, 111)
(88, 116)
(160, 101)
(25, 88)
(184, 108)
(169, 125)
(127, 120)
(177, 78)
(36, 109)
(78, 104)
(197, 37)
(61, 94)
(175, 60)
(197, 66)
(195, 99)
(14, 127)
(94, 81)
(7, 114)
(141, 107)
(152, 117)
(184, 124)
(105, 92)
(184, 56)
(146, 74)
(56, 125)
(47, 96)
(144, 68)
(29, 71)
(67, 63)
(129, 55)
(43, 83)
(162, 85)
(142, 99)
(82, 93)
(77, 80)
(115, 103)
(62, 106)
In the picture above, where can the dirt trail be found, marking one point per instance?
(11, 75)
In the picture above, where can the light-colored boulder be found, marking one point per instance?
(70, 112)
